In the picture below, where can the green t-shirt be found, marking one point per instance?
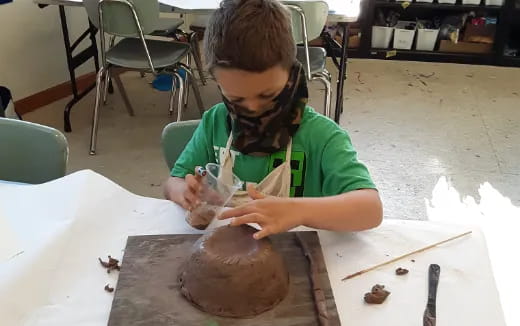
(323, 161)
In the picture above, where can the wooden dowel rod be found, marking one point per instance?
(404, 256)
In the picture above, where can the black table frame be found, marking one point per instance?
(334, 50)
(76, 60)
(342, 72)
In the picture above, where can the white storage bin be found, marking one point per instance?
(426, 39)
(494, 3)
(403, 38)
(381, 36)
(471, 2)
(451, 2)
(428, 1)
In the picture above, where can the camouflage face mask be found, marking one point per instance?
(270, 131)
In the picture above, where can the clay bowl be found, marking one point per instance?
(231, 274)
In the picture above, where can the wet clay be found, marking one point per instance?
(111, 264)
(231, 274)
(401, 271)
(202, 216)
(378, 294)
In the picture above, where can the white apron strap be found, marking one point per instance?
(277, 183)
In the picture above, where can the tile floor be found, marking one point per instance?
(418, 127)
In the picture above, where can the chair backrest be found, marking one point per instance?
(125, 18)
(31, 153)
(307, 21)
(118, 16)
(175, 137)
(315, 12)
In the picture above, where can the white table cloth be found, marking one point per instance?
(52, 234)
(339, 10)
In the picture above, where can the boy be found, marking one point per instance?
(300, 166)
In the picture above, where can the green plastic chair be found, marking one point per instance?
(175, 137)
(31, 153)
(308, 19)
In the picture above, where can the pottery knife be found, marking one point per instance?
(430, 314)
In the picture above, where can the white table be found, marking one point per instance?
(346, 11)
(342, 12)
(77, 3)
(52, 234)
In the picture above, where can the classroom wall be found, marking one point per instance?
(32, 54)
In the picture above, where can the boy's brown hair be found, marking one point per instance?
(252, 35)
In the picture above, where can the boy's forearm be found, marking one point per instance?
(353, 211)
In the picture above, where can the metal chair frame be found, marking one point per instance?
(103, 75)
(324, 77)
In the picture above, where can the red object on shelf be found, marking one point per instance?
(480, 21)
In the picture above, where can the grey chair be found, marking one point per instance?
(171, 27)
(192, 37)
(308, 19)
(166, 27)
(31, 153)
(131, 20)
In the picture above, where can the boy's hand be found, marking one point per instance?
(185, 192)
(273, 214)
(192, 190)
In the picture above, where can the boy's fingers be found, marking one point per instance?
(262, 233)
(249, 218)
(233, 212)
(191, 199)
(184, 204)
(254, 193)
(192, 182)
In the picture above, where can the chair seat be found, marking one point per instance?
(167, 26)
(129, 53)
(317, 56)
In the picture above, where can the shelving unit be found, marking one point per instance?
(436, 6)
(507, 15)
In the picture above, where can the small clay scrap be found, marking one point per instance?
(108, 288)
(378, 294)
(112, 264)
(401, 271)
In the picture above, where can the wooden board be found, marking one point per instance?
(148, 293)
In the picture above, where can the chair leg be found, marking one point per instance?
(329, 75)
(187, 81)
(173, 91)
(328, 93)
(180, 90)
(195, 49)
(195, 87)
(95, 116)
(124, 95)
(105, 86)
